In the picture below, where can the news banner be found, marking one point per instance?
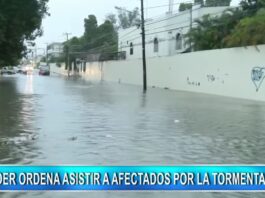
(132, 178)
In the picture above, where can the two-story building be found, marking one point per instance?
(165, 35)
(55, 50)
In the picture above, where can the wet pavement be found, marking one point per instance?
(52, 120)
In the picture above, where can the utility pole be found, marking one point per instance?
(143, 46)
(68, 49)
(170, 9)
(35, 58)
(191, 21)
(143, 43)
(47, 61)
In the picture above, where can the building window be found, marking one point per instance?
(156, 45)
(178, 41)
(131, 49)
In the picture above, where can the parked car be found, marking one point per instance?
(8, 70)
(20, 69)
(15, 69)
(44, 71)
(26, 69)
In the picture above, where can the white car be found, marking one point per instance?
(28, 69)
(8, 70)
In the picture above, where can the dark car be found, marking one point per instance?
(44, 71)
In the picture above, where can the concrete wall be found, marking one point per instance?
(94, 71)
(235, 72)
(58, 70)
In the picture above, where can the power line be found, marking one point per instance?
(160, 6)
(161, 20)
(153, 28)
(124, 46)
(178, 14)
(168, 25)
(105, 47)
(188, 20)
(153, 7)
(100, 48)
(168, 30)
(128, 33)
(175, 15)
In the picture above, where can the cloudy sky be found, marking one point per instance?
(68, 15)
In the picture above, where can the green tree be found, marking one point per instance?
(74, 47)
(113, 19)
(250, 31)
(235, 27)
(216, 3)
(91, 26)
(201, 2)
(75, 44)
(108, 39)
(185, 6)
(96, 36)
(102, 39)
(210, 32)
(128, 19)
(251, 7)
(20, 21)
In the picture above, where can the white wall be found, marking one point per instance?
(58, 70)
(94, 71)
(226, 72)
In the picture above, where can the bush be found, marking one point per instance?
(249, 31)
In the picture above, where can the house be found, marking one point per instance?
(165, 35)
(55, 50)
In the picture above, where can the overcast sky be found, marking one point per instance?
(68, 15)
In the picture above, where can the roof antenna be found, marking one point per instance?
(170, 9)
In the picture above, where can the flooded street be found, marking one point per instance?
(52, 120)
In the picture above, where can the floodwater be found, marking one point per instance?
(52, 120)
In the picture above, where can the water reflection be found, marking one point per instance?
(17, 130)
(29, 85)
(58, 121)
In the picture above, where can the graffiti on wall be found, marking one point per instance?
(193, 83)
(257, 77)
(217, 77)
(211, 78)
